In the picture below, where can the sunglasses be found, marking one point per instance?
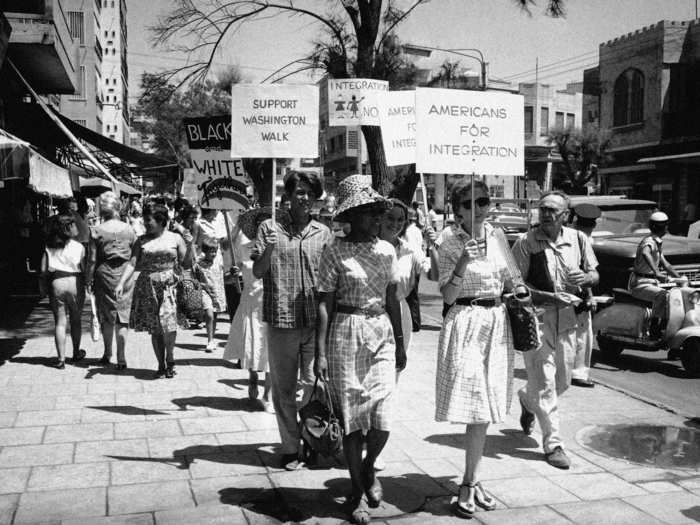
(481, 202)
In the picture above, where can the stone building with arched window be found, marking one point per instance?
(646, 90)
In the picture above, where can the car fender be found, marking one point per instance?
(682, 335)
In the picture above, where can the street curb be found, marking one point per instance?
(643, 399)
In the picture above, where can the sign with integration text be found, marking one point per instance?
(397, 115)
(274, 121)
(353, 101)
(218, 180)
(462, 132)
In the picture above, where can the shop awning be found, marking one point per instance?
(683, 158)
(97, 182)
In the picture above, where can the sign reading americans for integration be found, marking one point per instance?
(462, 132)
(219, 181)
(353, 101)
(397, 114)
(274, 121)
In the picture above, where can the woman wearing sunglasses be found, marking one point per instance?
(474, 380)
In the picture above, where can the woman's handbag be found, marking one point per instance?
(94, 320)
(320, 428)
(189, 295)
(521, 311)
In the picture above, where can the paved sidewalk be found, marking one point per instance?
(89, 445)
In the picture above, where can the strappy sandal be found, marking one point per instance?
(360, 513)
(482, 498)
(373, 490)
(463, 510)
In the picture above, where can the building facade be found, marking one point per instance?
(646, 90)
(115, 72)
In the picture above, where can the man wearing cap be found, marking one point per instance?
(586, 216)
(647, 273)
(556, 263)
(286, 255)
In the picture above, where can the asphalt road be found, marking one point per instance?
(646, 375)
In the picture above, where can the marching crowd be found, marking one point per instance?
(338, 306)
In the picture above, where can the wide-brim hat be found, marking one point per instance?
(248, 220)
(355, 191)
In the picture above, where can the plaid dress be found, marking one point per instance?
(474, 382)
(361, 349)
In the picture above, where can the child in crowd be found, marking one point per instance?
(209, 271)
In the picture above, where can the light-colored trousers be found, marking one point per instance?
(291, 356)
(584, 346)
(549, 372)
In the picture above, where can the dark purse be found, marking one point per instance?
(189, 295)
(320, 428)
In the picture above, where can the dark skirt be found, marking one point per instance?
(110, 309)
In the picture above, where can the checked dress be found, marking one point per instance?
(474, 382)
(361, 349)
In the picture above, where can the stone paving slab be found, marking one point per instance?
(596, 486)
(610, 511)
(145, 471)
(79, 432)
(58, 504)
(21, 436)
(147, 497)
(127, 519)
(34, 455)
(673, 507)
(115, 450)
(74, 476)
(539, 515)
(8, 505)
(13, 479)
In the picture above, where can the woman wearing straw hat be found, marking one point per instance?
(361, 350)
(247, 337)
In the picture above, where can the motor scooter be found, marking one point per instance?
(626, 323)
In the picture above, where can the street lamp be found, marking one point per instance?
(426, 51)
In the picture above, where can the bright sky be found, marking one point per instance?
(510, 40)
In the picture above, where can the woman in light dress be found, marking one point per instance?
(474, 381)
(247, 339)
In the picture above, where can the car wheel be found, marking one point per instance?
(690, 356)
(609, 349)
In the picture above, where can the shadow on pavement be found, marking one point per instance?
(136, 373)
(510, 443)
(205, 362)
(236, 384)
(693, 513)
(637, 363)
(219, 403)
(128, 410)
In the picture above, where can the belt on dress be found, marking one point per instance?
(645, 275)
(353, 310)
(486, 302)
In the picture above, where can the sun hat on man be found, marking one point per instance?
(355, 191)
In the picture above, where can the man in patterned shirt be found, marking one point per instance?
(286, 257)
(557, 263)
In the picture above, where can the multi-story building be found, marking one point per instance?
(84, 106)
(645, 89)
(115, 72)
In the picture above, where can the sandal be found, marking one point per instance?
(373, 488)
(79, 356)
(360, 513)
(482, 498)
(463, 510)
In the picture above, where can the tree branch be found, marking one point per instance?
(396, 22)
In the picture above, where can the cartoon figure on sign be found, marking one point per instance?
(340, 104)
(352, 105)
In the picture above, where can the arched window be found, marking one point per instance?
(628, 101)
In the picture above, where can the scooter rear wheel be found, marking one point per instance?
(690, 356)
(610, 350)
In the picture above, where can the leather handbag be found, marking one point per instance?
(189, 295)
(320, 428)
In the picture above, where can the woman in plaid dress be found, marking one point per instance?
(361, 350)
(475, 352)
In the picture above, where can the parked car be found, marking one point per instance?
(621, 227)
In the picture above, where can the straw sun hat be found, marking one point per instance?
(354, 191)
(249, 220)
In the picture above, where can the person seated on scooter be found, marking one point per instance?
(649, 265)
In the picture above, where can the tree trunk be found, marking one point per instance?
(405, 183)
(382, 175)
(260, 173)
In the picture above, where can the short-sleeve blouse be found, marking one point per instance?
(410, 265)
(484, 276)
(358, 272)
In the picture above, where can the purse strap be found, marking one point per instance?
(326, 395)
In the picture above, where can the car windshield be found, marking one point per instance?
(622, 221)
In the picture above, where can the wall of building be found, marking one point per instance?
(115, 78)
(550, 108)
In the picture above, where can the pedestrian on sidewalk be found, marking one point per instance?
(359, 343)
(62, 279)
(156, 255)
(209, 271)
(286, 256)
(474, 382)
(586, 218)
(556, 263)
(247, 338)
(111, 243)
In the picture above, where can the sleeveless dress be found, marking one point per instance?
(247, 338)
(113, 244)
(154, 304)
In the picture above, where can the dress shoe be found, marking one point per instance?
(61, 365)
(292, 462)
(527, 420)
(558, 458)
(585, 383)
(105, 360)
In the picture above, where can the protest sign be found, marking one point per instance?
(397, 116)
(462, 132)
(274, 121)
(353, 101)
(219, 181)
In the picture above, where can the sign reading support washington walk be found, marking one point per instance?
(397, 115)
(462, 132)
(353, 101)
(274, 120)
(218, 181)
